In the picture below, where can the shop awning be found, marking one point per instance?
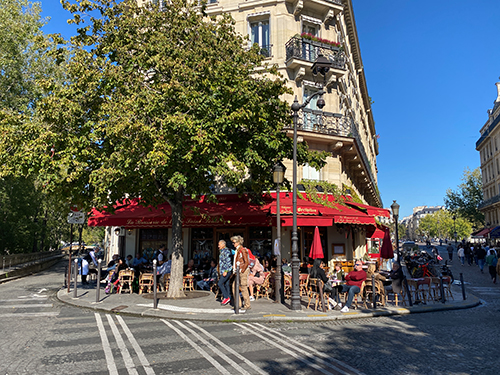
(492, 232)
(370, 210)
(379, 232)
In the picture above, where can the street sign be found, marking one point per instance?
(76, 217)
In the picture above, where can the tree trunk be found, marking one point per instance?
(175, 289)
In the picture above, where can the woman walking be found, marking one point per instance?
(491, 261)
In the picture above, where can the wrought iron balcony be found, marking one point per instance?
(489, 202)
(335, 124)
(308, 50)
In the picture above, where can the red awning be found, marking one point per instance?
(379, 232)
(482, 233)
(370, 210)
(229, 211)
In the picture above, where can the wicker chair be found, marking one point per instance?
(265, 288)
(146, 283)
(126, 278)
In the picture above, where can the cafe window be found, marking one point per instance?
(260, 241)
(202, 244)
(150, 240)
(307, 240)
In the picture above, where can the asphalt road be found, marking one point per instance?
(39, 335)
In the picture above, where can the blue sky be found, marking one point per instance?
(431, 72)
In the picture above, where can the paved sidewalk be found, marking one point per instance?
(206, 308)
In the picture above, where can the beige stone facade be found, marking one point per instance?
(489, 151)
(345, 127)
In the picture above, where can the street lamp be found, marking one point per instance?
(322, 66)
(278, 177)
(455, 230)
(395, 215)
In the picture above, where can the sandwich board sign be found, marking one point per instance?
(76, 217)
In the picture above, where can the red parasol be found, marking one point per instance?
(386, 251)
(316, 248)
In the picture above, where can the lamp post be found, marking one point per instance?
(395, 215)
(455, 230)
(278, 176)
(321, 65)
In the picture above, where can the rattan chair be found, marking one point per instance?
(126, 278)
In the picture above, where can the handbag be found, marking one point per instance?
(257, 274)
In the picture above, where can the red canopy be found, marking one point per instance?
(316, 248)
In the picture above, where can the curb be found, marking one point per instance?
(310, 316)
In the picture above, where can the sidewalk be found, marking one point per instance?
(206, 308)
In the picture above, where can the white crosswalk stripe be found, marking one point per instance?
(26, 307)
(485, 290)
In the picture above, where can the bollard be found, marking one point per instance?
(237, 290)
(407, 291)
(69, 272)
(76, 277)
(374, 293)
(98, 286)
(155, 287)
(442, 289)
(463, 286)
(65, 276)
(3, 267)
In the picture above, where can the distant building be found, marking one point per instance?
(412, 222)
(487, 145)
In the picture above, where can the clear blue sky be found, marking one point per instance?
(431, 68)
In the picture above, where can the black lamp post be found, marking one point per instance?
(455, 230)
(278, 177)
(322, 66)
(395, 215)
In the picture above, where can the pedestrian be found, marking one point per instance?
(491, 261)
(450, 252)
(241, 260)
(481, 255)
(256, 277)
(461, 254)
(226, 271)
(468, 254)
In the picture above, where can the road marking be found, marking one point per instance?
(28, 306)
(135, 345)
(229, 349)
(306, 357)
(188, 309)
(196, 347)
(129, 363)
(215, 350)
(28, 315)
(305, 347)
(22, 299)
(110, 361)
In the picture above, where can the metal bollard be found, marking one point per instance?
(407, 291)
(463, 286)
(65, 276)
(76, 277)
(98, 286)
(237, 290)
(155, 287)
(442, 289)
(374, 293)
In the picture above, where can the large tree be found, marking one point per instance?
(465, 200)
(157, 105)
(29, 220)
(441, 224)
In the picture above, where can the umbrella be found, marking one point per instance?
(316, 248)
(386, 251)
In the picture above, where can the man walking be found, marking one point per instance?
(226, 270)
(450, 252)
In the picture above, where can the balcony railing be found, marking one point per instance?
(334, 124)
(489, 202)
(308, 50)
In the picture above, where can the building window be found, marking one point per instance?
(260, 241)
(259, 34)
(310, 173)
(150, 240)
(202, 244)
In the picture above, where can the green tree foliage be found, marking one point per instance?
(464, 201)
(28, 221)
(440, 224)
(158, 105)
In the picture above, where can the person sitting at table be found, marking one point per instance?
(317, 272)
(212, 278)
(337, 273)
(379, 279)
(354, 280)
(189, 267)
(139, 261)
(396, 276)
(255, 277)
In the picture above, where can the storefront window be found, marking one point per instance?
(150, 240)
(260, 241)
(307, 240)
(202, 244)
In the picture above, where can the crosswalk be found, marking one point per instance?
(485, 291)
(244, 348)
(27, 306)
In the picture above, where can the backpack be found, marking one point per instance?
(251, 258)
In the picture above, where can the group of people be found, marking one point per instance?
(480, 256)
(354, 281)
